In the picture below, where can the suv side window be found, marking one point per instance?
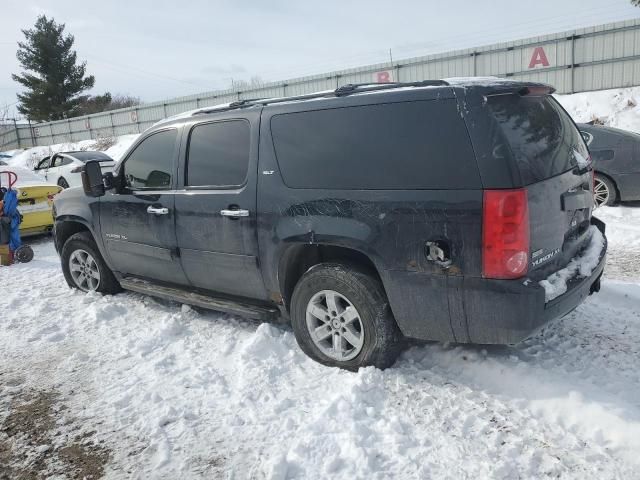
(218, 154)
(405, 145)
(150, 165)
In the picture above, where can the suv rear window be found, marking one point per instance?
(408, 145)
(540, 135)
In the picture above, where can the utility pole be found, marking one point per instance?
(15, 125)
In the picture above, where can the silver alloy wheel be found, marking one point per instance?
(600, 192)
(334, 325)
(84, 270)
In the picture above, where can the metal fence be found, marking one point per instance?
(594, 58)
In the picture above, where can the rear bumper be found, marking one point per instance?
(507, 311)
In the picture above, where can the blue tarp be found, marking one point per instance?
(11, 211)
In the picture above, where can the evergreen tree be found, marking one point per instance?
(636, 3)
(53, 77)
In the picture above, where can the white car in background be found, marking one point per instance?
(64, 168)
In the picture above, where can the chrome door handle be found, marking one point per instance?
(157, 210)
(234, 213)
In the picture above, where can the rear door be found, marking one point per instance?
(552, 161)
(216, 206)
(137, 222)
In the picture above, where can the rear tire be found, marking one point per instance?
(604, 191)
(351, 325)
(62, 182)
(83, 266)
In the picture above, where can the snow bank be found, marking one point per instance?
(29, 158)
(579, 267)
(121, 146)
(615, 108)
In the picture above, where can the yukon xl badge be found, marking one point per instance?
(116, 236)
(544, 258)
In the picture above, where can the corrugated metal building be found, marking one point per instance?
(594, 58)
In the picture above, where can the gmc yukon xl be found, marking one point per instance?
(456, 211)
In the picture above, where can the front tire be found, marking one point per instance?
(84, 268)
(341, 318)
(604, 191)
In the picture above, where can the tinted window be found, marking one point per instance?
(421, 145)
(66, 161)
(218, 154)
(539, 134)
(150, 165)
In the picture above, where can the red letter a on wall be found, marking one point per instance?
(538, 58)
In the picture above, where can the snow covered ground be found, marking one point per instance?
(149, 389)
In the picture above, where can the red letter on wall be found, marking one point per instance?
(383, 77)
(538, 58)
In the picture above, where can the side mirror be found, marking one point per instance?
(92, 179)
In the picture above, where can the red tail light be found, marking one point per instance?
(505, 234)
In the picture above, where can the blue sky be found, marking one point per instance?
(162, 49)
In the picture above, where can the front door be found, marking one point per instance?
(216, 206)
(138, 221)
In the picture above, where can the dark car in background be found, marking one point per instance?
(616, 163)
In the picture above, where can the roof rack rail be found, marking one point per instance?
(341, 91)
(233, 105)
(350, 88)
